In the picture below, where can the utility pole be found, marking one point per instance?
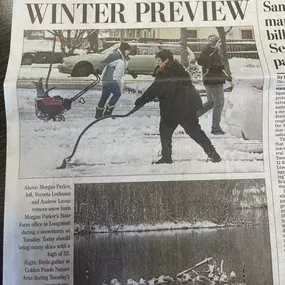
(183, 43)
(122, 35)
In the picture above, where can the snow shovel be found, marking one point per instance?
(67, 159)
(230, 79)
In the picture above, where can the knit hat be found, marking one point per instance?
(164, 54)
(124, 46)
(213, 39)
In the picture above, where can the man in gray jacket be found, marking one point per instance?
(114, 67)
(213, 79)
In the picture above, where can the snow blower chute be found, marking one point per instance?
(52, 108)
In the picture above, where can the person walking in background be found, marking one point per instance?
(113, 68)
(213, 80)
(179, 102)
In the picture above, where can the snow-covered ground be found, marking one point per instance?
(125, 146)
(40, 45)
(45, 45)
(148, 227)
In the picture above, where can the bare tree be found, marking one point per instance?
(27, 34)
(93, 39)
(70, 42)
(122, 35)
(183, 43)
(223, 36)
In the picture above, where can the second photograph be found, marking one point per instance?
(177, 232)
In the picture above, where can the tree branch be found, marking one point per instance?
(230, 28)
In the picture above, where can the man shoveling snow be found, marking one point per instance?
(179, 103)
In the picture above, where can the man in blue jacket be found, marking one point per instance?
(113, 68)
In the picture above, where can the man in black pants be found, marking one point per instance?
(179, 102)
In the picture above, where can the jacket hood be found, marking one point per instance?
(123, 57)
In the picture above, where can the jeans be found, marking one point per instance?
(215, 96)
(110, 87)
(190, 124)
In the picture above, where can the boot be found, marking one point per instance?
(166, 152)
(167, 160)
(213, 155)
(109, 110)
(99, 112)
(217, 132)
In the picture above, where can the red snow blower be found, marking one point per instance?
(52, 108)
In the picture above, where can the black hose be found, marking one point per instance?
(67, 159)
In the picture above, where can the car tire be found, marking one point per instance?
(27, 60)
(82, 69)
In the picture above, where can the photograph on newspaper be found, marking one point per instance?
(140, 102)
(172, 232)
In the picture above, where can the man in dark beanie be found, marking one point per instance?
(113, 68)
(213, 79)
(179, 102)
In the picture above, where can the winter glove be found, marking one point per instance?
(141, 101)
(97, 71)
(133, 74)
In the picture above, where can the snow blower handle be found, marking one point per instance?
(47, 91)
(83, 91)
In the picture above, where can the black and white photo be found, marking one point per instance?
(150, 230)
(117, 74)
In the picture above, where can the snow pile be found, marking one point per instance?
(40, 45)
(146, 227)
(35, 71)
(246, 69)
(46, 45)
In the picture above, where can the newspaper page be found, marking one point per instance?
(145, 143)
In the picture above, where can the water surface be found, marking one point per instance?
(147, 255)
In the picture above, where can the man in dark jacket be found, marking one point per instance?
(179, 102)
(213, 79)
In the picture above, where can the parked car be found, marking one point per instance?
(29, 58)
(40, 51)
(142, 59)
(243, 112)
